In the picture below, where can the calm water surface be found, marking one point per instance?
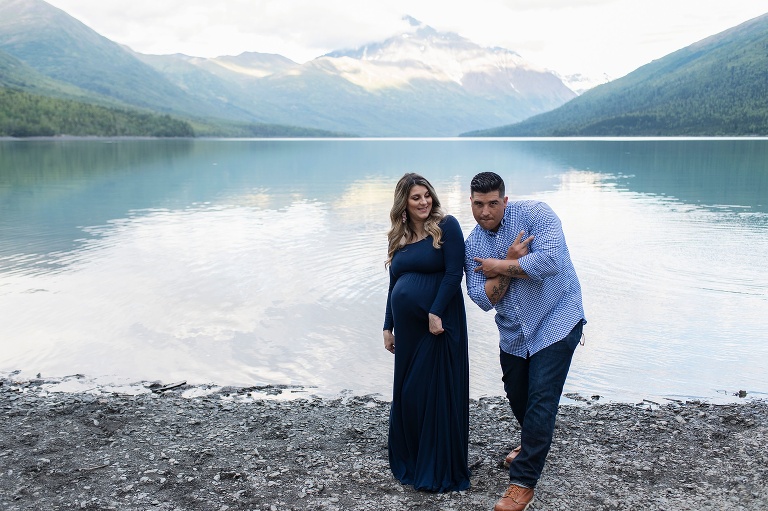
(250, 262)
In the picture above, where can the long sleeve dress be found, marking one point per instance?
(429, 418)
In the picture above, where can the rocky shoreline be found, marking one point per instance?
(247, 449)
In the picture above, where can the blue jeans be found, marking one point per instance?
(533, 387)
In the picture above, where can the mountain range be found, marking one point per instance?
(715, 87)
(418, 83)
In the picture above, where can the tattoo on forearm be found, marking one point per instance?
(498, 290)
(515, 270)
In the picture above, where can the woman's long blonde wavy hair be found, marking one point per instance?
(401, 232)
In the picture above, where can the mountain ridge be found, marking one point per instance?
(342, 94)
(420, 82)
(717, 86)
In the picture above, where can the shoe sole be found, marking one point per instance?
(507, 463)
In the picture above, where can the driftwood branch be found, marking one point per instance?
(163, 388)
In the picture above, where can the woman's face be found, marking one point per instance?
(419, 203)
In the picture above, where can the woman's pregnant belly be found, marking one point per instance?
(413, 295)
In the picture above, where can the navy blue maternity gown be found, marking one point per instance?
(429, 418)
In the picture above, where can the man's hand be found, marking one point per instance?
(492, 268)
(488, 266)
(389, 341)
(435, 324)
(519, 248)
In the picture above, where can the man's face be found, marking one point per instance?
(488, 209)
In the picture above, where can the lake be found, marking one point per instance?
(254, 262)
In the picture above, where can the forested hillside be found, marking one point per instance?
(716, 87)
(29, 115)
(58, 77)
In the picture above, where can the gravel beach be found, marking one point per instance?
(252, 449)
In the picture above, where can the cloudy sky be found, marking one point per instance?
(568, 36)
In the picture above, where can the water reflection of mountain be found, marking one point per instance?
(51, 190)
(704, 172)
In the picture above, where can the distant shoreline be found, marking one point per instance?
(94, 137)
(364, 138)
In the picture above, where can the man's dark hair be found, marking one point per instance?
(486, 182)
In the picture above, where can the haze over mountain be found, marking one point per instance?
(419, 83)
(580, 83)
(715, 87)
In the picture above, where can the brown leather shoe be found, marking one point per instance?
(512, 455)
(516, 498)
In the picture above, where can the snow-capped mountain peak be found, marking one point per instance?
(424, 53)
(580, 83)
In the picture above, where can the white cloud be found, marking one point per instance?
(593, 36)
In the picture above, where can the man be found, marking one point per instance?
(517, 262)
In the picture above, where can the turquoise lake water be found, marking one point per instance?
(252, 262)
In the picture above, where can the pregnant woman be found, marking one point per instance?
(425, 327)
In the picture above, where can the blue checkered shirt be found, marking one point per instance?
(541, 310)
